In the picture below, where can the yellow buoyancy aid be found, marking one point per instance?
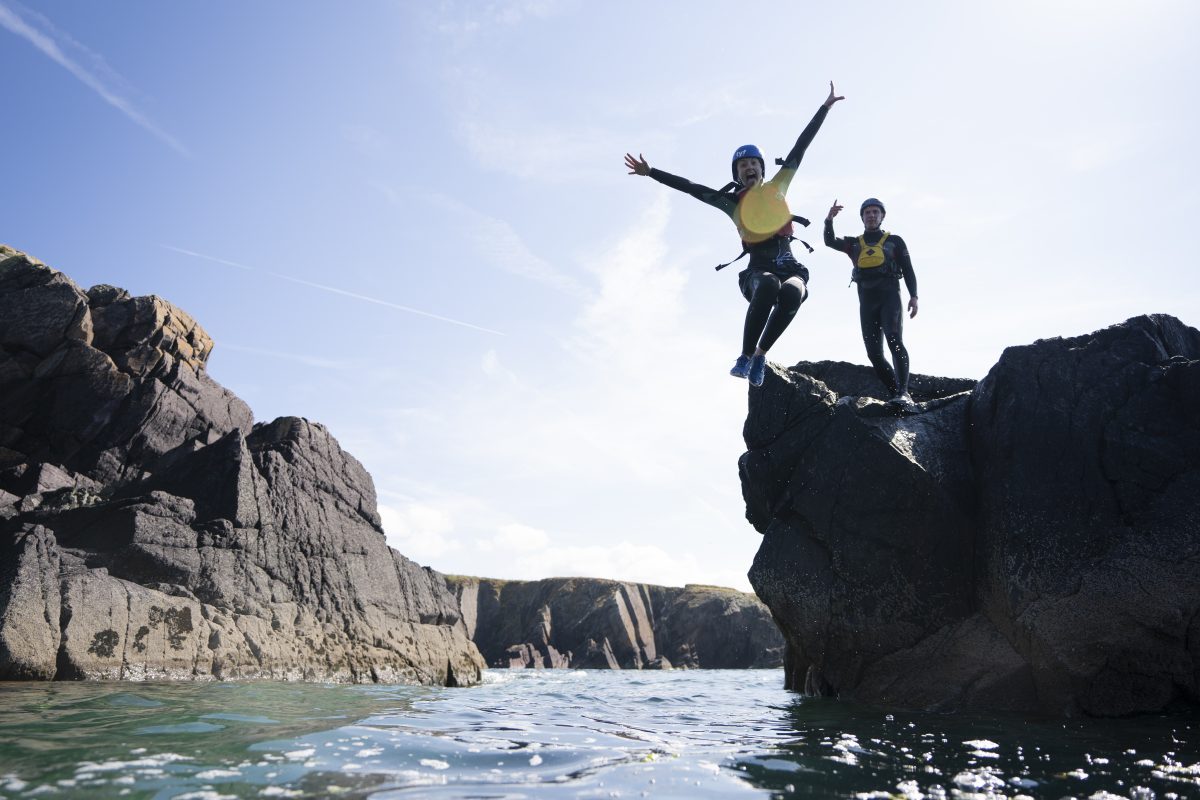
(871, 255)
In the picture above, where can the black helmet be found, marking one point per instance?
(871, 201)
(748, 151)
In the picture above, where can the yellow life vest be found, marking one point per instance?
(871, 255)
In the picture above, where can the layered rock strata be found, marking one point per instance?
(1029, 543)
(602, 624)
(149, 529)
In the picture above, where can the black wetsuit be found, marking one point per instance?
(774, 282)
(880, 310)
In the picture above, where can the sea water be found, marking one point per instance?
(537, 734)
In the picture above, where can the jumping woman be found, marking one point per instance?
(774, 282)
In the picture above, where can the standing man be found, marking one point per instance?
(880, 260)
(774, 283)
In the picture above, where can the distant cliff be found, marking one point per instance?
(149, 529)
(1030, 543)
(603, 624)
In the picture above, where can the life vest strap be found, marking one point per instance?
(720, 267)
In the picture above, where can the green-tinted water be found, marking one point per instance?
(559, 734)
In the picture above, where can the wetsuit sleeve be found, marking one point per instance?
(702, 193)
(806, 136)
(831, 240)
(783, 178)
(905, 262)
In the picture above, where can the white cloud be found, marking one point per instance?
(503, 246)
(418, 530)
(493, 368)
(541, 151)
(515, 537)
(53, 48)
(624, 561)
(637, 395)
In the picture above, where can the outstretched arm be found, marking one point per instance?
(810, 131)
(639, 166)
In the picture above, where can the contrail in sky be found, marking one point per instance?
(335, 290)
(46, 43)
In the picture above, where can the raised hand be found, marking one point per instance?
(637, 166)
(833, 98)
(833, 210)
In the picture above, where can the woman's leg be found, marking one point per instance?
(791, 294)
(762, 289)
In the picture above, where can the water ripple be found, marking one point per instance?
(560, 734)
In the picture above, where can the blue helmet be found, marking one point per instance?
(748, 151)
(871, 201)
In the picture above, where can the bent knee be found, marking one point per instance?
(792, 294)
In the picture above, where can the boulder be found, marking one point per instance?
(1030, 543)
(149, 529)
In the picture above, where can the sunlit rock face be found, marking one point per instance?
(561, 623)
(149, 529)
(1029, 543)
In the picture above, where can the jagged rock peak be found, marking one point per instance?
(140, 334)
(148, 529)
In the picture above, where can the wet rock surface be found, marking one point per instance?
(601, 624)
(1031, 542)
(149, 529)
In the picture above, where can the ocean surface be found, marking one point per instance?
(593, 734)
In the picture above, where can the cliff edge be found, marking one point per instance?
(149, 529)
(1028, 543)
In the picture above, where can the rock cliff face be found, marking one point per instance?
(148, 529)
(1029, 543)
(602, 624)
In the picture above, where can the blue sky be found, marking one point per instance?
(410, 222)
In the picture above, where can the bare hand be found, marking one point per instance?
(833, 211)
(912, 307)
(833, 98)
(637, 166)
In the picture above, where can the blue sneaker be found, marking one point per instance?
(758, 370)
(741, 367)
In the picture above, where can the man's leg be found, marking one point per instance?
(892, 322)
(872, 334)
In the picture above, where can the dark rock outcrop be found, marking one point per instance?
(148, 529)
(603, 624)
(1028, 543)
